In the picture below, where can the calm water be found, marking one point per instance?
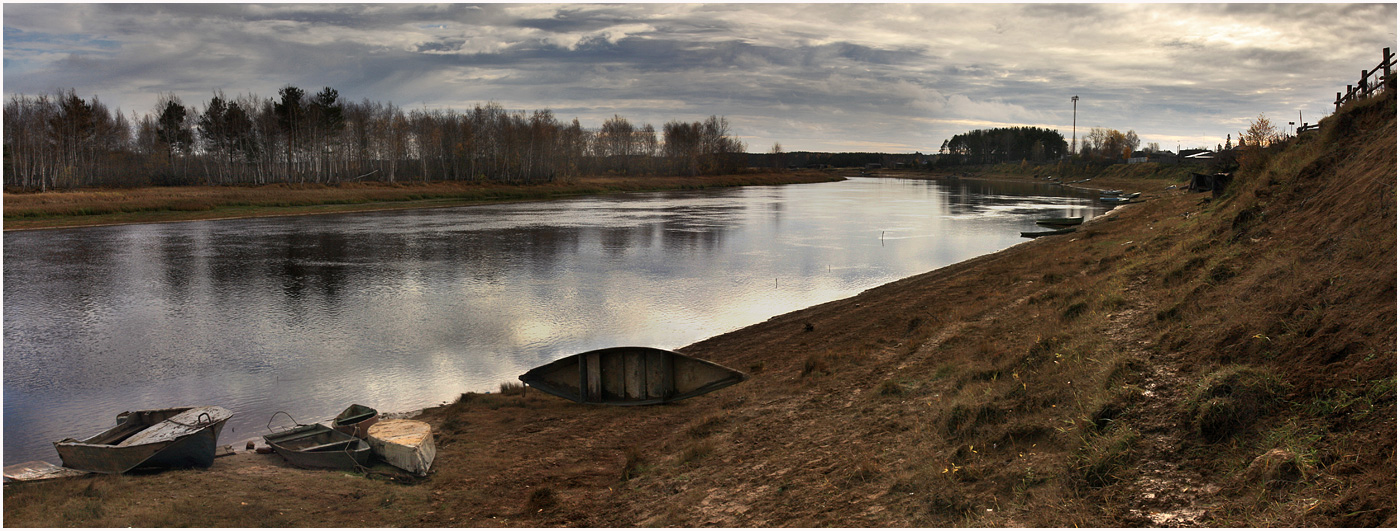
(403, 310)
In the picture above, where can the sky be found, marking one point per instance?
(896, 78)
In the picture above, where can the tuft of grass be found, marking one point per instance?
(890, 388)
(1229, 400)
(512, 388)
(816, 365)
(706, 426)
(697, 451)
(634, 464)
(1075, 310)
(542, 498)
(1101, 458)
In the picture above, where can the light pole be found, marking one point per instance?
(1074, 126)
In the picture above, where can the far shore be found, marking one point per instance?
(121, 206)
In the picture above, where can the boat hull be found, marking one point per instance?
(630, 376)
(403, 443)
(317, 446)
(150, 439)
(355, 420)
(1059, 222)
(1037, 234)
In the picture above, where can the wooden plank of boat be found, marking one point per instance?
(184, 437)
(630, 376)
(317, 446)
(1059, 222)
(38, 471)
(1037, 234)
(406, 444)
(355, 420)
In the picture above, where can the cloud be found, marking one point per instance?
(801, 74)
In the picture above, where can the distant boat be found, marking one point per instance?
(1059, 222)
(182, 437)
(1115, 200)
(630, 376)
(317, 446)
(1037, 234)
(406, 444)
(355, 420)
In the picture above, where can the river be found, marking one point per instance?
(403, 310)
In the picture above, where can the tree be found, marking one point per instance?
(291, 120)
(1261, 133)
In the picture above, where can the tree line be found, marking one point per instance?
(60, 140)
(1007, 144)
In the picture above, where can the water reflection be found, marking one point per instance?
(402, 310)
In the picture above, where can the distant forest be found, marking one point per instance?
(58, 141)
(1012, 144)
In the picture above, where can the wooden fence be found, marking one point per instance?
(1384, 74)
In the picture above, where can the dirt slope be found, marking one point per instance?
(1182, 361)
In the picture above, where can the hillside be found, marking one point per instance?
(1181, 361)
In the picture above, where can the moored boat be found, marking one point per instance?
(629, 376)
(182, 437)
(1114, 200)
(355, 420)
(317, 446)
(1059, 222)
(406, 444)
(1037, 234)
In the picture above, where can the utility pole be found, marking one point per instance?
(1074, 126)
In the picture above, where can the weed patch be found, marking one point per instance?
(1229, 400)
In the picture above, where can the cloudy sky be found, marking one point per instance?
(819, 77)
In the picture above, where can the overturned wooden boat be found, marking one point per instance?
(1037, 234)
(406, 444)
(630, 376)
(1060, 222)
(317, 446)
(355, 420)
(182, 437)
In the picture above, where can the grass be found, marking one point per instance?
(1229, 400)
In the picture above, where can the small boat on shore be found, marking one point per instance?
(1114, 200)
(317, 446)
(182, 437)
(1059, 222)
(1037, 234)
(406, 444)
(1110, 192)
(355, 420)
(630, 376)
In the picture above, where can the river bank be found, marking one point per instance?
(1185, 361)
(86, 208)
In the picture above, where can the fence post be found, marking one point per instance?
(1388, 80)
(1364, 89)
(1338, 103)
